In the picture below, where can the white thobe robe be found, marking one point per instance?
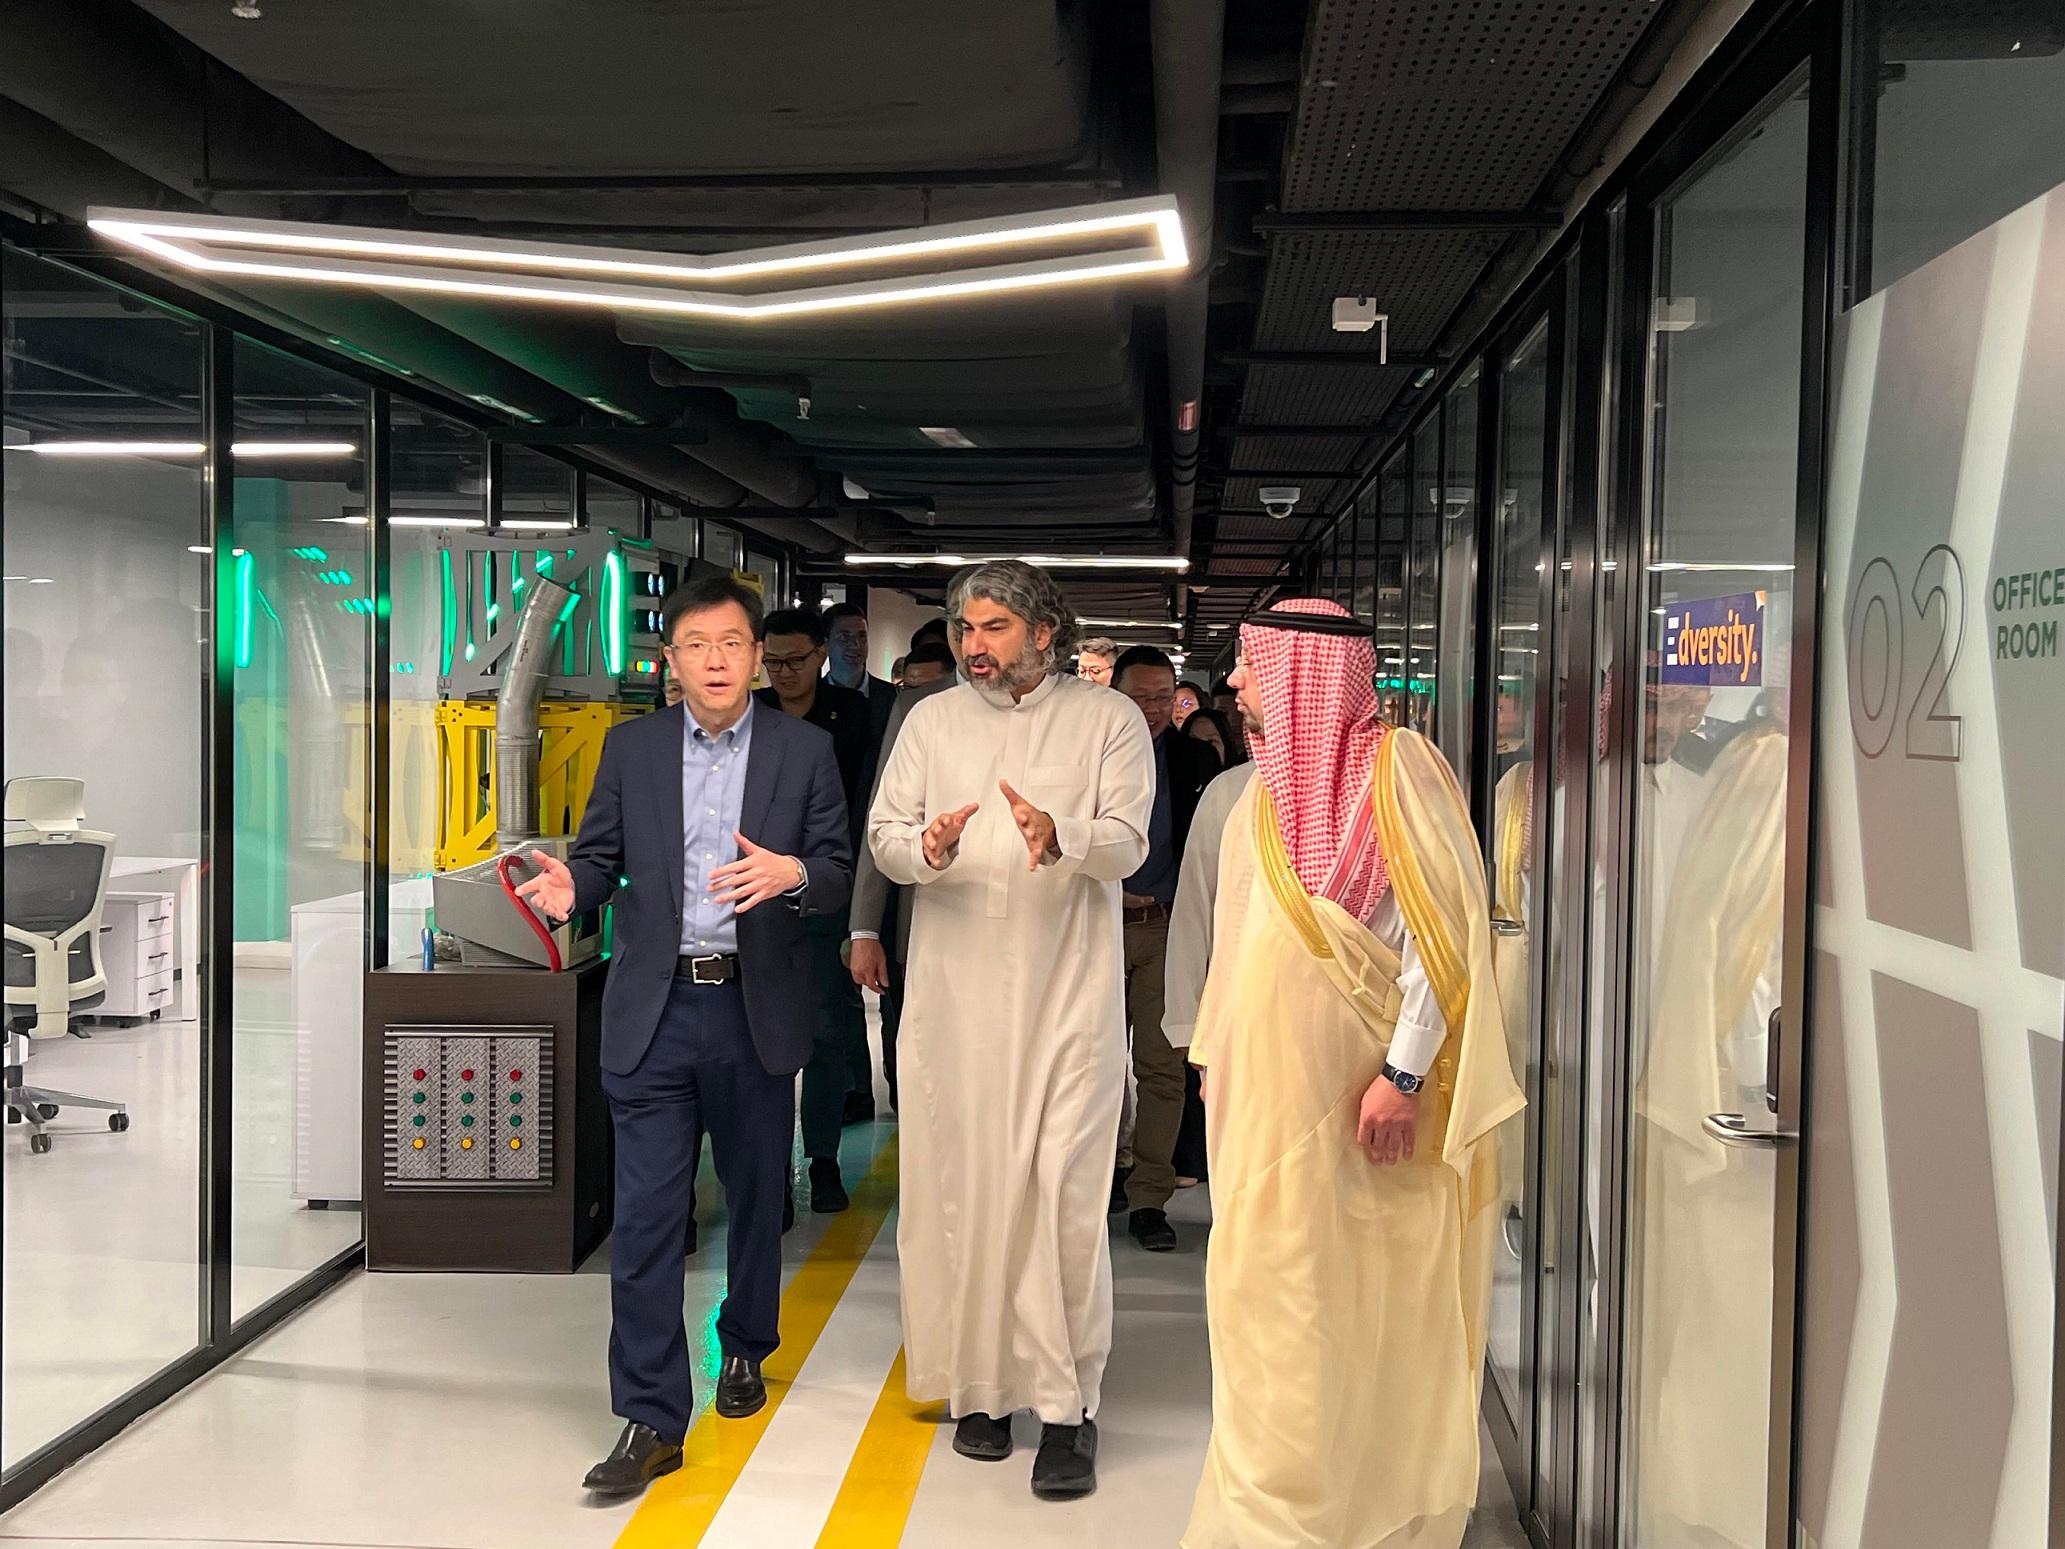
(1012, 1054)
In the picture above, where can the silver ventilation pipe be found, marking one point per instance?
(516, 713)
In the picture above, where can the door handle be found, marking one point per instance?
(1731, 1129)
(1502, 927)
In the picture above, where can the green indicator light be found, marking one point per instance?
(421, 1121)
(246, 585)
(467, 1122)
(422, 1097)
(467, 1098)
(613, 613)
(516, 1097)
(516, 1120)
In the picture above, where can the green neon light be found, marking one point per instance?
(451, 616)
(544, 563)
(494, 611)
(572, 603)
(246, 586)
(613, 613)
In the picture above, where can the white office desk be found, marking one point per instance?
(181, 877)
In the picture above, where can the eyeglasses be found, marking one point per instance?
(696, 652)
(1153, 701)
(787, 663)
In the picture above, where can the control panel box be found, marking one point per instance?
(468, 1107)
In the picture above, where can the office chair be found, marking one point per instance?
(56, 882)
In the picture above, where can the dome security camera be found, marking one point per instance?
(1280, 500)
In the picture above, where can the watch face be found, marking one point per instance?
(1405, 1083)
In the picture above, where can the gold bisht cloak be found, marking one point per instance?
(1347, 1301)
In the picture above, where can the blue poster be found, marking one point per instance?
(1716, 642)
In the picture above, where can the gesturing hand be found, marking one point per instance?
(551, 891)
(943, 835)
(1385, 1127)
(1035, 826)
(756, 876)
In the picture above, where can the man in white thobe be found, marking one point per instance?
(1014, 804)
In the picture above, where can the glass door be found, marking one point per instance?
(1710, 1176)
(1518, 534)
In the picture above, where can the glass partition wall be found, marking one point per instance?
(201, 528)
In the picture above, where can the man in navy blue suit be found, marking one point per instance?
(726, 825)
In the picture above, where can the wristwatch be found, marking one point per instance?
(1408, 1084)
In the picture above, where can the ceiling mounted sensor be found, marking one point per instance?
(1359, 314)
(246, 10)
(958, 259)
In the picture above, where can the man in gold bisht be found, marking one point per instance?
(1353, 1202)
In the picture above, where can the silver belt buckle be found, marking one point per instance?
(695, 969)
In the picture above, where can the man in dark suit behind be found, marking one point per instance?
(879, 948)
(1183, 768)
(729, 824)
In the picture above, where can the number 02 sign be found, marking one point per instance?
(1903, 646)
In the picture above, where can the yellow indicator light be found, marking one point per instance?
(466, 1144)
(516, 1145)
(419, 1143)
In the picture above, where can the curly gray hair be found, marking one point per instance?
(1027, 591)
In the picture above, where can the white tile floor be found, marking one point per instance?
(459, 1412)
(103, 1232)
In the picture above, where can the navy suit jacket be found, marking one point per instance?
(633, 830)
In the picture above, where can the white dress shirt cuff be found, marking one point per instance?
(865, 935)
(1414, 1046)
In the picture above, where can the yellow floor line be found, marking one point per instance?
(874, 1501)
(678, 1509)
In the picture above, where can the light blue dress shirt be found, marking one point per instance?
(713, 795)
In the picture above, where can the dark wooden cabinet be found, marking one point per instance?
(487, 1137)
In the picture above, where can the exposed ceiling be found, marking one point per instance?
(1405, 151)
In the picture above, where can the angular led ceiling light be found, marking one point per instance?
(964, 258)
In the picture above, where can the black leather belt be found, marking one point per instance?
(717, 968)
(1141, 914)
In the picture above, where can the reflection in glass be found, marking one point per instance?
(1710, 841)
(439, 490)
(303, 616)
(1516, 551)
(1421, 658)
(1455, 715)
(1392, 502)
(1968, 124)
(106, 660)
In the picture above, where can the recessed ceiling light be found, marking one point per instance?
(672, 283)
(1129, 624)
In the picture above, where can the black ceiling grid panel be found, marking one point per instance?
(1413, 133)
(1405, 110)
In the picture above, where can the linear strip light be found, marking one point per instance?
(1044, 561)
(1129, 624)
(659, 282)
(1705, 567)
(186, 448)
(411, 521)
(521, 524)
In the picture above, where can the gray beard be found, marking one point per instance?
(1021, 677)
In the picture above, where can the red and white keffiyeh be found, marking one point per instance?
(1321, 732)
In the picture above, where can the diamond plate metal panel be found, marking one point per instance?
(465, 1128)
(522, 1114)
(413, 1104)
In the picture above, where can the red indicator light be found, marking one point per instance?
(515, 1075)
(465, 1075)
(421, 1075)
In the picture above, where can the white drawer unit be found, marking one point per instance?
(136, 953)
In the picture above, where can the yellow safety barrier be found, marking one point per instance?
(571, 747)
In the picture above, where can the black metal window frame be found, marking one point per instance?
(220, 1334)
